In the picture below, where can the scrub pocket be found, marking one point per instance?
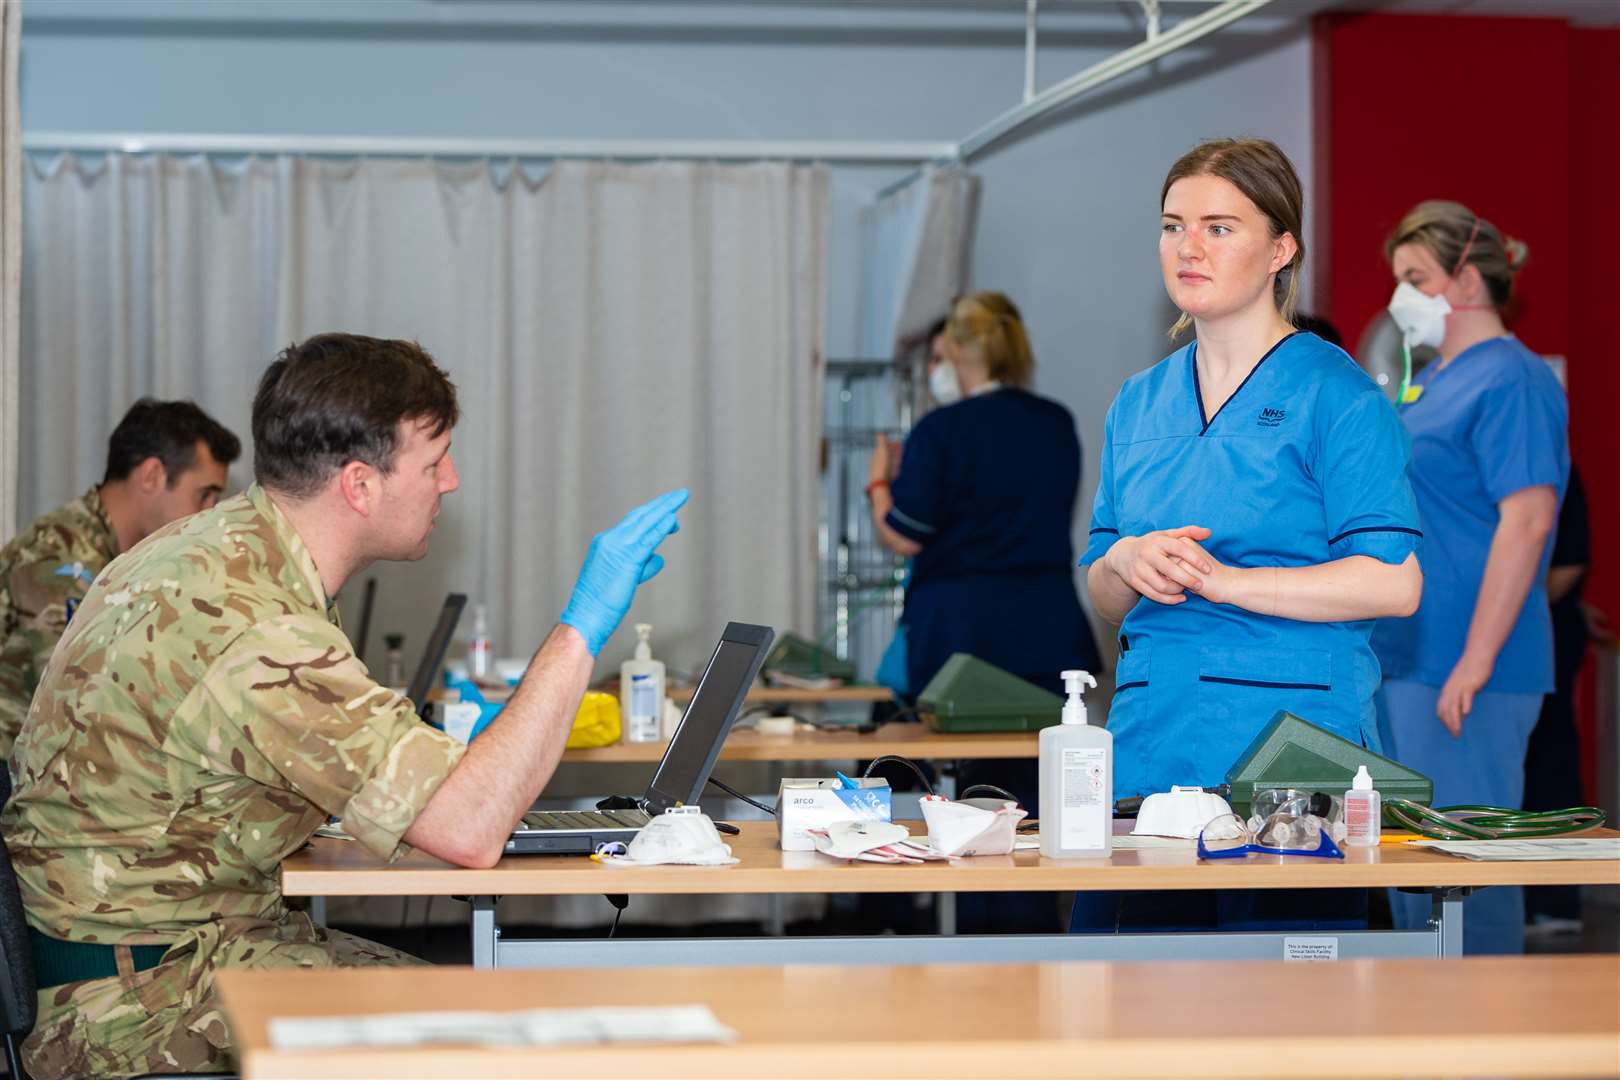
(1239, 690)
(1131, 675)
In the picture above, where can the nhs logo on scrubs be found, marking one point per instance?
(1272, 416)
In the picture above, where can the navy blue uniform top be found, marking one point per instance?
(988, 486)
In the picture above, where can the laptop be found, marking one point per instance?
(433, 656)
(686, 764)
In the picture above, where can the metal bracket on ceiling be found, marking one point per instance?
(1150, 8)
(1031, 10)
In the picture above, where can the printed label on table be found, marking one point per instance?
(1310, 950)
(1083, 814)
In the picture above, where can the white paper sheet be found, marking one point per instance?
(1546, 849)
(530, 1027)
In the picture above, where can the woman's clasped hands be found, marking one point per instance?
(1166, 564)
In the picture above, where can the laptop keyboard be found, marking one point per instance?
(584, 819)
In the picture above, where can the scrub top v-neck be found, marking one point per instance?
(1305, 463)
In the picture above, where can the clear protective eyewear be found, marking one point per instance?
(1230, 837)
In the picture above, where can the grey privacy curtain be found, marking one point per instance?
(614, 331)
(11, 177)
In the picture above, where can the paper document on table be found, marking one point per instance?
(529, 1027)
(1138, 842)
(1547, 849)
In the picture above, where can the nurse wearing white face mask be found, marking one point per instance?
(1464, 677)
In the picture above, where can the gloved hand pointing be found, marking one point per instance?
(620, 559)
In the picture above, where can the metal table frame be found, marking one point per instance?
(1443, 937)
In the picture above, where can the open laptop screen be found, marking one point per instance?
(715, 704)
(433, 656)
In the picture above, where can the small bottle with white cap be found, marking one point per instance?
(1363, 811)
(1077, 781)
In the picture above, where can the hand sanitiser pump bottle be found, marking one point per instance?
(641, 690)
(1077, 781)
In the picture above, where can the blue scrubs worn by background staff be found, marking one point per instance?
(1491, 423)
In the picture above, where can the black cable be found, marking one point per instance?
(998, 792)
(907, 762)
(735, 794)
(620, 901)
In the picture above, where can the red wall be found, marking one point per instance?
(1519, 119)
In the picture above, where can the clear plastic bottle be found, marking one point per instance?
(1077, 781)
(641, 690)
(1363, 811)
(394, 660)
(480, 651)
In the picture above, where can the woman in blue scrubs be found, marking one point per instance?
(1253, 515)
(1465, 676)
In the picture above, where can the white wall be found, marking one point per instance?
(1068, 220)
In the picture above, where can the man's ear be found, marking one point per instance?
(150, 477)
(361, 486)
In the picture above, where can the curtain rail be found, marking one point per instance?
(850, 151)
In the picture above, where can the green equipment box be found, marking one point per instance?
(969, 695)
(1292, 752)
(796, 657)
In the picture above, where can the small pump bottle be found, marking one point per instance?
(641, 690)
(480, 651)
(394, 660)
(1077, 781)
(1363, 811)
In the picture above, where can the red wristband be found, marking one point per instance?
(874, 485)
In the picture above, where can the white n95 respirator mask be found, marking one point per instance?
(1421, 317)
(943, 385)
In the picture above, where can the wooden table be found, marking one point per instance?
(915, 741)
(1497, 1016)
(341, 868)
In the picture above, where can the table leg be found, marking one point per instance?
(945, 903)
(1446, 919)
(317, 910)
(776, 919)
(486, 936)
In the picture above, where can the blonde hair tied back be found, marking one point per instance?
(989, 325)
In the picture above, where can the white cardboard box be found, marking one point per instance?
(815, 802)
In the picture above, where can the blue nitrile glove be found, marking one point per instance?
(620, 559)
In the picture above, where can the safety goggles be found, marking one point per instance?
(1230, 837)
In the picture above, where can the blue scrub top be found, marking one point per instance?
(1493, 422)
(1304, 464)
(988, 487)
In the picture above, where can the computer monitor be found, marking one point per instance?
(433, 656)
(718, 698)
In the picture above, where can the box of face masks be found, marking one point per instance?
(815, 803)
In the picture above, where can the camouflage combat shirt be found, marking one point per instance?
(203, 714)
(44, 574)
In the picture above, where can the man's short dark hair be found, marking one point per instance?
(337, 398)
(170, 432)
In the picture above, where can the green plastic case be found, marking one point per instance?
(969, 695)
(1292, 752)
(796, 656)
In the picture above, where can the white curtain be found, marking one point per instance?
(916, 247)
(614, 331)
(11, 178)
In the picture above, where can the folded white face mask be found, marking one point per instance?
(972, 826)
(853, 839)
(1421, 317)
(679, 837)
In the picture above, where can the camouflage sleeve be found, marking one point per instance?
(293, 708)
(38, 600)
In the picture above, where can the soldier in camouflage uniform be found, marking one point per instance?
(204, 713)
(165, 459)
